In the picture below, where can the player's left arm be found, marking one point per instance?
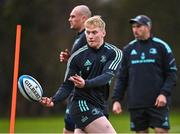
(170, 72)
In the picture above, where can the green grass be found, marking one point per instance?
(55, 124)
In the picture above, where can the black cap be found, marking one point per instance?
(141, 19)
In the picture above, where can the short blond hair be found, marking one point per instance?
(95, 21)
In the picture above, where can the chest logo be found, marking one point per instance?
(133, 52)
(95, 111)
(153, 51)
(103, 58)
(87, 63)
(143, 56)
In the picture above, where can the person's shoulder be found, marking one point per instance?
(112, 47)
(131, 43)
(113, 52)
(79, 51)
(162, 44)
(82, 35)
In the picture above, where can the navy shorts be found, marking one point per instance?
(143, 118)
(69, 123)
(83, 113)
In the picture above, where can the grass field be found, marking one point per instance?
(55, 124)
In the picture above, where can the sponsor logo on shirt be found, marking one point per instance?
(84, 118)
(143, 59)
(153, 51)
(143, 56)
(133, 52)
(103, 58)
(95, 111)
(87, 63)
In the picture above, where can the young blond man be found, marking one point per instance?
(90, 70)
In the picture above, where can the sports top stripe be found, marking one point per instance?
(164, 43)
(72, 56)
(118, 57)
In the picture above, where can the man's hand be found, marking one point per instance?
(77, 80)
(47, 102)
(117, 107)
(64, 56)
(161, 101)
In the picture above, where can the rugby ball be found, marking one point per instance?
(30, 88)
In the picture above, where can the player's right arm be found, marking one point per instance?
(63, 91)
(66, 88)
(61, 94)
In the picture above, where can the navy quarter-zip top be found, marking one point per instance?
(148, 69)
(96, 67)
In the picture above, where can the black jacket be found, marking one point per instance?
(148, 69)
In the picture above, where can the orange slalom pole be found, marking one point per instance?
(15, 78)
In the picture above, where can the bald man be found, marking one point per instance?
(77, 18)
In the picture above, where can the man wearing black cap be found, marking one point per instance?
(148, 73)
